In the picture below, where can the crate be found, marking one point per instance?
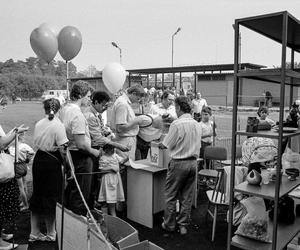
(76, 232)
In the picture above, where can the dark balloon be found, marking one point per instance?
(69, 42)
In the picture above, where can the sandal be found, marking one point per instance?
(50, 237)
(39, 237)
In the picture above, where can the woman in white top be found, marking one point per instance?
(49, 137)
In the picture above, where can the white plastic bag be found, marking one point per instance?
(290, 159)
(7, 170)
(255, 224)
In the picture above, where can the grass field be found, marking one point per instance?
(29, 113)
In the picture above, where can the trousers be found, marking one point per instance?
(83, 165)
(180, 183)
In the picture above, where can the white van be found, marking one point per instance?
(55, 93)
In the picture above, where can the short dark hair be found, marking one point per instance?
(206, 109)
(262, 109)
(137, 90)
(166, 94)
(80, 89)
(51, 107)
(184, 103)
(108, 148)
(100, 96)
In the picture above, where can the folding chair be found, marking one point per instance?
(214, 154)
(238, 156)
(216, 197)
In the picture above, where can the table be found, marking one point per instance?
(145, 192)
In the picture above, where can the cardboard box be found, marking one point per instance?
(159, 157)
(144, 245)
(75, 235)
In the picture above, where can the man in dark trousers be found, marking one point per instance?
(183, 142)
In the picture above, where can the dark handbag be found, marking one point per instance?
(20, 169)
(252, 124)
(286, 213)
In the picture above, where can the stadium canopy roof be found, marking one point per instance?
(195, 68)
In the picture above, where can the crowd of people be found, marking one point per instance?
(100, 154)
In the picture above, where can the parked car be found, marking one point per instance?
(18, 99)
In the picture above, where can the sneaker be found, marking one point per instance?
(182, 230)
(40, 237)
(9, 246)
(6, 236)
(166, 228)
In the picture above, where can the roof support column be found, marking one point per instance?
(195, 83)
(180, 80)
(147, 81)
(129, 82)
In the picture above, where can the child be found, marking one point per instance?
(111, 188)
(208, 131)
(25, 154)
(262, 113)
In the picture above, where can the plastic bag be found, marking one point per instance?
(7, 169)
(255, 224)
(290, 159)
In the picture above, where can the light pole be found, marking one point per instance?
(115, 45)
(173, 44)
(240, 47)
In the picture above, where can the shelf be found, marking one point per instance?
(270, 25)
(267, 133)
(271, 75)
(268, 190)
(285, 233)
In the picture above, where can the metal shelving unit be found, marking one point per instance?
(283, 28)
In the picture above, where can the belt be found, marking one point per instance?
(192, 158)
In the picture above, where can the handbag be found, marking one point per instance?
(7, 169)
(286, 213)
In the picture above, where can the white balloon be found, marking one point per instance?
(114, 76)
(52, 28)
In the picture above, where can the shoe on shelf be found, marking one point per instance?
(39, 237)
(166, 228)
(9, 246)
(182, 230)
(6, 236)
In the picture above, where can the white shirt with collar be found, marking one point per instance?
(122, 113)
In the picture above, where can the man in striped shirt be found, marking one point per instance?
(183, 142)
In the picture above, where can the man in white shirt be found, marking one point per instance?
(183, 142)
(124, 123)
(166, 108)
(79, 145)
(198, 103)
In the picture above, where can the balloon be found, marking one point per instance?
(114, 76)
(69, 42)
(53, 29)
(44, 43)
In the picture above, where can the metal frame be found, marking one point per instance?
(260, 25)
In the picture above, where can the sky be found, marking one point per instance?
(143, 29)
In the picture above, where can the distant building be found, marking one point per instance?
(215, 82)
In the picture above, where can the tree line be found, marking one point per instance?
(30, 78)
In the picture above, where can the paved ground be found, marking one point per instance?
(198, 237)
